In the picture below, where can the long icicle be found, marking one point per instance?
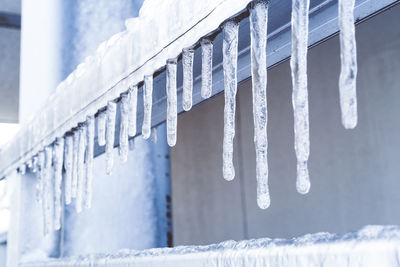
(110, 134)
(230, 53)
(101, 128)
(298, 64)
(206, 67)
(172, 105)
(348, 56)
(89, 161)
(58, 165)
(48, 190)
(123, 128)
(74, 183)
(147, 103)
(40, 174)
(35, 164)
(187, 64)
(81, 168)
(68, 158)
(132, 98)
(258, 34)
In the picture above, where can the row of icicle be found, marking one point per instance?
(74, 152)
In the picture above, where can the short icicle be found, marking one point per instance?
(229, 51)
(87, 197)
(258, 34)
(206, 67)
(132, 98)
(58, 165)
(298, 64)
(123, 128)
(35, 164)
(187, 64)
(172, 105)
(68, 158)
(81, 168)
(348, 56)
(74, 181)
(101, 128)
(147, 103)
(110, 135)
(48, 191)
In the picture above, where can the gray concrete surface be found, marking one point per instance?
(354, 174)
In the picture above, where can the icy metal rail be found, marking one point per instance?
(323, 24)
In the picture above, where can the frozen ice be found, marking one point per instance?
(39, 186)
(172, 104)
(230, 54)
(123, 128)
(206, 67)
(48, 190)
(35, 164)
(258, 34)
(110, 135)
(187, 64)
(132, 98)
(81, 168)
(87, 197)
(58, 168)
(101, 128)
(22, 169)
(68, 159)
(147, 103)
(75, 149)
(348, 56)
(298, 64)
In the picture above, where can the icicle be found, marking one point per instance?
(74, 183)
(123, 129)
(230, 51)
(58, 164)
(172, 105)
(154, 137)
(40, 169)
(29, 164)
(101, 128)
(132, 144)
(147, 103)
(22, 169)
(110, 134)
(89, 161)
(187, 64)
(206, 67)
(68, 159)
(48, 191)
(258, 34)
(298, 64)
(132, 98)
(348, 73)
(35, 164)
(81, 168)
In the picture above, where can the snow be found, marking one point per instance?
(258, 34)
(298, 64)
(206, 67)
(110, 135)
(230, 54)
(172, 103)
(348, 56)
(187, 64)
(369, 247)
(147, 102)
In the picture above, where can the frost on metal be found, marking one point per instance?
(298, 64)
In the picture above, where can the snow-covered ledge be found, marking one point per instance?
(371, 246)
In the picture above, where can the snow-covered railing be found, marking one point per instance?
(372, 246)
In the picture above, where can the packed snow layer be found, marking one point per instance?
(371, 246)
(123, 58)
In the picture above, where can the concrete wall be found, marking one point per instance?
(354, 174)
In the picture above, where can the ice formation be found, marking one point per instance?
(132, 98)
(74, 183)
(172, 103)
(230, 54)
(81, 168)
(187, 64)
(87, 197)
(48, 191)
(147, 105)
(123, 128)
(58, 167)
(101, 128)
(68, 159)
(258, 34)
(206, 67)
(298, 64)
(110, 134)
(35, 164)
(39, 185)
(348, 56)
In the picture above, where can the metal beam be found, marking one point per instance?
(10, 20)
